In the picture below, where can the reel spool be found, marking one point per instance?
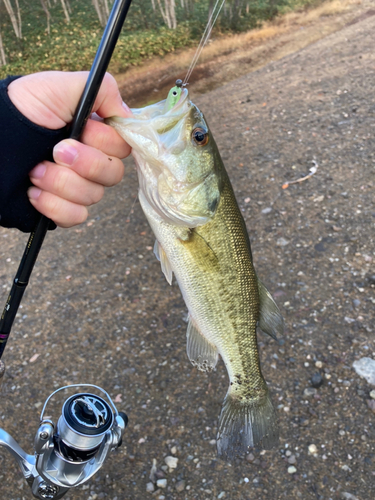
(70, 453)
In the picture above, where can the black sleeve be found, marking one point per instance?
(23, 144)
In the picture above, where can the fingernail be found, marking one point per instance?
(38, 171)
(64, 153)
(34, 193)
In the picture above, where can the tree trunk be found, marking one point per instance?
(19, 18)
(45, 8)
(172, 14)
(65, 9)
(99, 11)
(164, 14)
(106, 9)
(13, 18)
(3, 59)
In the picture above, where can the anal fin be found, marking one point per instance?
(165, 265)
(270, 319)
(200, 351)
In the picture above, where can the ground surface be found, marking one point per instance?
(98, 309)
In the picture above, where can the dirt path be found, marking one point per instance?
(98, 309)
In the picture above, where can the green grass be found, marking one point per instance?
(72, 47)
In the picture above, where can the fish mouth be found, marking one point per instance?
(152, 130)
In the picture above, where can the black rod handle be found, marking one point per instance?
(81, 115)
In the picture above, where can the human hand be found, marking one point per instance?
(63, 190)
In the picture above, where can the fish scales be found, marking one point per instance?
(201, 237)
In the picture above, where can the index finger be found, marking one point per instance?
(105, 138)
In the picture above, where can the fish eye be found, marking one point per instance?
(199, 136)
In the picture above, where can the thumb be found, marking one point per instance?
(108, 101)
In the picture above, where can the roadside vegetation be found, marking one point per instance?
(64, 34)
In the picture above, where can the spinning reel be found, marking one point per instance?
(72, 451)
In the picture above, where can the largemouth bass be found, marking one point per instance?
(201, 237)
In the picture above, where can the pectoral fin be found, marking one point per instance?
(200, 351)
(270, 319)
(165, 265)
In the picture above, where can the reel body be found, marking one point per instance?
(70, 453)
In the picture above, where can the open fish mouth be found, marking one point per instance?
(155, 130)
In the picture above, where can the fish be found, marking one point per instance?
(201, 239)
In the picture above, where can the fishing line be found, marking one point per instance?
(204, 39)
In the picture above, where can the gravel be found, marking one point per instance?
(161, 483)
(365, 367)
(317, 380)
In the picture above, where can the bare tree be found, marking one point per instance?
(3, 59)
(19, 18)
(102, 9)
(106, 8)
(45, 8)
(15, 20)
(65, 9)
(169, 13)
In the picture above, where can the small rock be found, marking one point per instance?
(313, 450)
(309, 391)
(372, 394)
(365, 367)
(356, 303)
(180, 486)
(174, 450)
(150, 487)
(317, 380)
(221, 494)
(292, 470)
(171, 462)
(347, 496)
(267, 210)
(292, 460)
(318, 199)
(161, 483)
(282, 242)
(250, 457)
(319, 364)
(371, 404)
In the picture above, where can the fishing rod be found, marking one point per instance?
(69, 453)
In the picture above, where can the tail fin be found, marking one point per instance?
(246, 424)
